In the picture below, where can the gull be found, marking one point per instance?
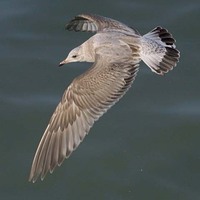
(115, 51)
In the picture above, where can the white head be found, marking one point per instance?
(74, 55)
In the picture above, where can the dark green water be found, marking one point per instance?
(146, 147)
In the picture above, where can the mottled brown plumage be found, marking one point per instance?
(116, 51)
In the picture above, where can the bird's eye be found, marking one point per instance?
(74, 56)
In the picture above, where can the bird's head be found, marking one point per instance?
(74, 55)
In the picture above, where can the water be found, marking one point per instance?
(145, 147)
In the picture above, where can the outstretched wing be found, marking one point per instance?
(87, 98)
(96, 23)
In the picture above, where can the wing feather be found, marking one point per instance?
(96, 23)
(81, 105)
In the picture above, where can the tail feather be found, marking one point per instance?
(159, 51)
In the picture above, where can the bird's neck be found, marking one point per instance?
(88, 51)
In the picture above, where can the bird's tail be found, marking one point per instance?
(158, 50)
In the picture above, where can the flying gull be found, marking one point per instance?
(115, 51)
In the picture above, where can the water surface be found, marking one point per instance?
(145, 147)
